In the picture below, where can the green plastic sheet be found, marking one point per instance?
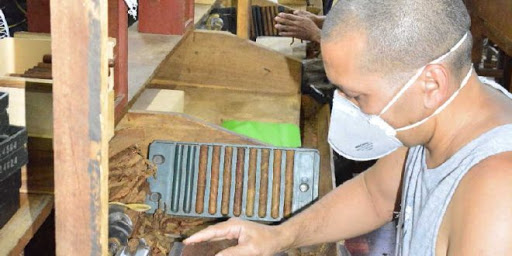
(275, 134)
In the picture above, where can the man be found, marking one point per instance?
(408, 94)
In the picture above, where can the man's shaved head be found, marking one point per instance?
(403, 35)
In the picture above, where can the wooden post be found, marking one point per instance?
(118, 29)
(38, 16)
(167, 17)
(243, 18)
(79, 51)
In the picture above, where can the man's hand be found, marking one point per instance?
(298, 26)
(253, 238)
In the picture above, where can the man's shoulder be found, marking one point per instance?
(494, 172)
(481, 208)
(492, 169)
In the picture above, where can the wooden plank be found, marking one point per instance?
(216, 105)
(243, 18)
(316, 119)
(20, 54)
(168, 84)
(30, 99)
(166, 17)
(38, 16)
(142, 128)
(32, 35)
(147, 51)
(208, 58)
(160, 100)
(285, 45)
(37, 176)
(16, 234)
(39, 113)
(79, 51)
(117, 28)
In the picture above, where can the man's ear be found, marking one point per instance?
(435, 85)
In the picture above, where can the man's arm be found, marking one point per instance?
(354, 208)
(359, 206)
(479, 217)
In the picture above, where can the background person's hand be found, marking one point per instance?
(301, 27)
(253, 238)
(318, 20)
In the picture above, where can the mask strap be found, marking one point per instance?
(418, 73)
(463, 83)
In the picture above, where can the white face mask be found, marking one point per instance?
(359, 136)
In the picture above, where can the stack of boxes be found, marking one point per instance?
(13, 156)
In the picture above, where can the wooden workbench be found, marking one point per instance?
(225, 77)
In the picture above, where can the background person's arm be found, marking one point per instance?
(317, 19)
(302, 25)
(354, 208)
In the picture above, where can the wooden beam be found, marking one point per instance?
(38, 16)
(118, 29)
(79, 51)
(167, 17)
(243, 18)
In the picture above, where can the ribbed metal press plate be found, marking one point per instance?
(221, 180)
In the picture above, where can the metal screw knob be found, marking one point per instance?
(304, 187)
(158, 159)
(154, 197)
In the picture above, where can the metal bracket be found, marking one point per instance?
(233, 178)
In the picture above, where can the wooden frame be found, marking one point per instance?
(243, 18)
(79, 48)
(30, 104)
(80, 113)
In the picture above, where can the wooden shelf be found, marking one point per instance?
(15, 235)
